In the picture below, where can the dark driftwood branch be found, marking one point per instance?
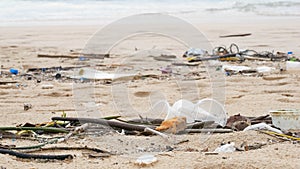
(46, 129)
(259, 118)
(35, 146)
(116, 124)
(236, 35)
(56, 56)
(35, 156)
(70, 148)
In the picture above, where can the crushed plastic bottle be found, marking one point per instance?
(203, 110)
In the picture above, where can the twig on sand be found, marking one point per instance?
(35, 156)
(236, 35)
(46, 129)
(70, 148)
(116, 124)
(157, 132)
(76, 131)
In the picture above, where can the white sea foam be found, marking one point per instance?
(23, 11)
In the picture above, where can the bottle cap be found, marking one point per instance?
(289, 53)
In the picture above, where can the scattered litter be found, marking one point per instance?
(146, 159)
(47, 86)
(286, 119)
(292, 65)
(27, 106)
(236, 35)
(166, 70)
(173, 125)
(211, 153)
(238, 122)
(203, 110)
(57, 76)
(156, 132)
(98, 75)
(245, 69)
(226, 148)
(260, 126)
(195, 52)
(286, 137)
(13, 71)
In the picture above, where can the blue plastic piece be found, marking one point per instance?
(14, 71)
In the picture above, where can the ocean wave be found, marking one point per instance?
(275, 8)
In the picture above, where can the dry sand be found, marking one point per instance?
(250, 96)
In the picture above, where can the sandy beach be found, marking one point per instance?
(246, 95)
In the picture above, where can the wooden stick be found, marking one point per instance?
(35, 156)
(235, 35)
(46, 129)
(121, 125)
(157, 132)
(70, 148)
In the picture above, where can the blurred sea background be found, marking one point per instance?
(53, 12)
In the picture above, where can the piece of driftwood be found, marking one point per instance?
(55, 68)
(116, 124)
(7, 82)
(56, 56)
(36, 146)
(45, 129)
(235, 35)
(157, 132)
(146, 120)
(200, 125)
(199, 59)
(35, 156)
(94, 56)
(68, 148)
(259, 117)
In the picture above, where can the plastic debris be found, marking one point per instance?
(166, 70)
(286, 119)
(203, 110)
(27, 106)
(194, 52)
(227, 148)
(238, 122)
(292, 65)
(173, 125)
(260, 126)
(98, 75)
(146, 159)
(13, 71)
(57, 76)
(47, 86)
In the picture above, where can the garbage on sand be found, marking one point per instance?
(13, 71)
(286, 119)
(173, 125)
(98, 75)
(262, 126)
(203, 110)
(292, 65)
(145, 160)
(226, 148)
